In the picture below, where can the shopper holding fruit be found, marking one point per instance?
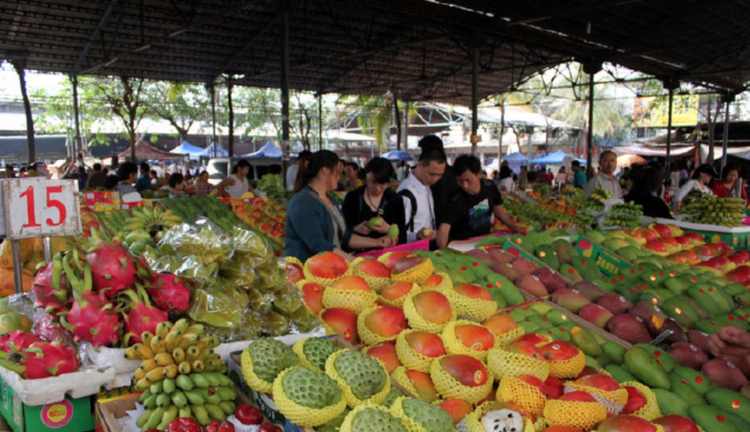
(374, 210)
(470, 211)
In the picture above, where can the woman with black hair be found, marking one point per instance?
(647, 183)
(375, 200)
(236, 184)
(313, 223)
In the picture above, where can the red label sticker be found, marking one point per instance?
(56, 415)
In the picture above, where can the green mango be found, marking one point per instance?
(639, 362)
(540, 308)
(731, 401)
(685, 391)
(570, 272)
(595, 237)
(706, 300)
(548, 256)
(556, 316)
(670, 403)
(505, 287)
(593, 363)
(663, 358)
(630, 253)
(682, 310)
(734, 289)
(707, 417)
(738, 422)
(529, 327)
(564, 251)
(743, 298)
(584, 340)
(677, 285)
(519, 314)
(696, 380)
(619, 373)
(614, 352)
(656, 295)
(708, 326)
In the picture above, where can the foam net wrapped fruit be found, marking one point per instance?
(461, 377)
(469, 338)
(505, 329)
(575, 409)
(307, 397)
(417, 384)
(419, 416)
(349, 292)
(371, 418)
(416, 349)
(471, 301)
(428, 310)
(505, 361)
(325, 268)
(313, 352)
(380, 324)
(492, 413)
(523, 392)
(395, 293)
(412, 269)
(263, 360)
(648, 408)
(361, 377)
(604, 389)
(373, 271)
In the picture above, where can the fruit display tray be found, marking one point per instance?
(738, 237)
(85, 382)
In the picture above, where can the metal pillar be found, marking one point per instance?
(502, 133)
(591, 69)
(725, 132)
(78, 145)
(397, 118)
(212, 93)
(670, 85)
(474, 99)
(405, 126)
(20, 66)
(320, 121)
(231, 117)
(285, 78)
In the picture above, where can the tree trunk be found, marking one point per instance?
(27, 109)
(231, 117)
(397, 118)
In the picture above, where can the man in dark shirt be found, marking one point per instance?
(470, 211)
(97, 179)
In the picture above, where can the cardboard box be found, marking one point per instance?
(108, 411)
(67, 415)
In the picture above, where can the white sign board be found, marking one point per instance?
(38, 207)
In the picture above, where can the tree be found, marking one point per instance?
(373, 115)
(124, 97)
(182, 105)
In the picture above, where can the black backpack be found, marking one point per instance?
(413, 200)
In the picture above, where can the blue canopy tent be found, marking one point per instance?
(214, 150)
(516, 161)
(185, 148)
(553, 158)
(268, 151)
(398, 155)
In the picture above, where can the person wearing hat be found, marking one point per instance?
(700, 181)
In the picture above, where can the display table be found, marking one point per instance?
(738, 237)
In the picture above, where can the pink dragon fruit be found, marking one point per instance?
(50, 288)
(142, 317)
(42, 360)
(170, 293)
(47, 329)
(113, 269)
(17, 341)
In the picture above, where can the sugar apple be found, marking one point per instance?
(422, 416)
(371, 418)
(361, 374)
(263, 360)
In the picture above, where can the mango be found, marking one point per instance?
(614, 352)
(670, 403)
(711, 419)
(619, 373)
(706, 300)
(685, 391)
(640, 363)
(661, 357)
(731, 401)
(681, 309)
(739, 422)
(585, 341)
(696, 380)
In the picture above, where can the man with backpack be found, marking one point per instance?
(419, 204)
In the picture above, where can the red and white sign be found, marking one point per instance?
(37, 207)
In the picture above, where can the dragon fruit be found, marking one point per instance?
(170, 293)
(17, 341)
(42, 360)
(46, 328)
(91, 318)
(50, 288)
(142, 317)
(113, 269)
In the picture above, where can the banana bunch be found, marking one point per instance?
(709, 209)
(627, 215)
(181, 376)
(599, 195)
(150, 219)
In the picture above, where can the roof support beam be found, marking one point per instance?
(95, 34)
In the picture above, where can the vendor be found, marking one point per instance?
(647, 184)
(605, 179)
(700, 181)
(731, 185)
(175, 185)
(471, 209)
(126, 177)
(313, 223)
(236, 184)
(374, 200)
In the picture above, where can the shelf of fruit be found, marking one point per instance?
(262, 214)
(447, 353)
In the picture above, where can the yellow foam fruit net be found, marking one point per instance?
(347, 425)
(455, 346)
(507, 338)
(579, 414)
(299, 349)
(368, 336)
(417, 274)
(445, 282)
(415, 319)
(473, 420)
(528, 398)
(321, 280)
(651, 410)
(569, 368)
(471, 308)
(450, 388)
(353, 299)
(290, 260)
(410, 358)
(402, 380)
(300, 414)
(375, 282)
(399, 302)
(502, 363)
(613, 400)
(397, 409)
(351, 399)
(253, 381)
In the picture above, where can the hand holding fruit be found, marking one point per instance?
(362, 229)
(378, 224)
(426, 234)
(386, 241)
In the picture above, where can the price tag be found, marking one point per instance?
(38, 207)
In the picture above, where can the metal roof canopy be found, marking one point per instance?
(419, 49)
